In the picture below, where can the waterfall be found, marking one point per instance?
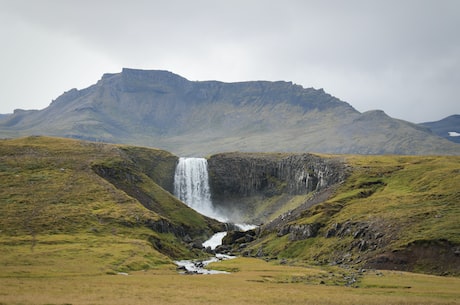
(191, 185)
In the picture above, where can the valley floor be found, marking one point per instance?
(252, 281)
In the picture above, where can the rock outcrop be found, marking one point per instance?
(240, 181)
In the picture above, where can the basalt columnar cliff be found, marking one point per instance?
(164, 110)
(255, 187)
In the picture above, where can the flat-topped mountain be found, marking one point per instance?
(164, 110)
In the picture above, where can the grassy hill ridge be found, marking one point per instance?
(54, 204)
(62, 196)
(393, 212)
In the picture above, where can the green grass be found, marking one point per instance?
(419, 193)
(408, 199)
(81, 254)
(50, 192)
(67, 234)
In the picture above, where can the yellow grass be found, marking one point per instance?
(256, 282)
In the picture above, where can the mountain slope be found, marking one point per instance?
(448, 128)
(100, 208)
(161, 109)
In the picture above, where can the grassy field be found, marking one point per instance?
(253, 281)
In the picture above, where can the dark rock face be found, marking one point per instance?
(246, 174)
(238, 237)
(235, 177)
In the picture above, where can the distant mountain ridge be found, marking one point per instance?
(164, 110)
(448, 128)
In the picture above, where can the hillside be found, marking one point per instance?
(391, 212)
(71, 207)
(165, 110)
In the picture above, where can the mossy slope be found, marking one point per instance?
(55, 203)
(393, 212)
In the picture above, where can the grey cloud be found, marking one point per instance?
(391, 55)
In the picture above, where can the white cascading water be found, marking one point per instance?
(191, 185)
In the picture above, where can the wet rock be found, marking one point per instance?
(224, 249)
(197, 244)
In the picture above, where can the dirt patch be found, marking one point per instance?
(438, 257)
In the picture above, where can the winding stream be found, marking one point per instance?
(199, 266)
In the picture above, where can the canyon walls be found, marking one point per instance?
(256, 186)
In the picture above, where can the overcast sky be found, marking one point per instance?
(399, 56)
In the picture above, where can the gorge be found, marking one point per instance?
(299, 200)
(230, 187)
(257, 187)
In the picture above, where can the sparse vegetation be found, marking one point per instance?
(253, 281)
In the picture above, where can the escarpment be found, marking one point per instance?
(258, 186)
